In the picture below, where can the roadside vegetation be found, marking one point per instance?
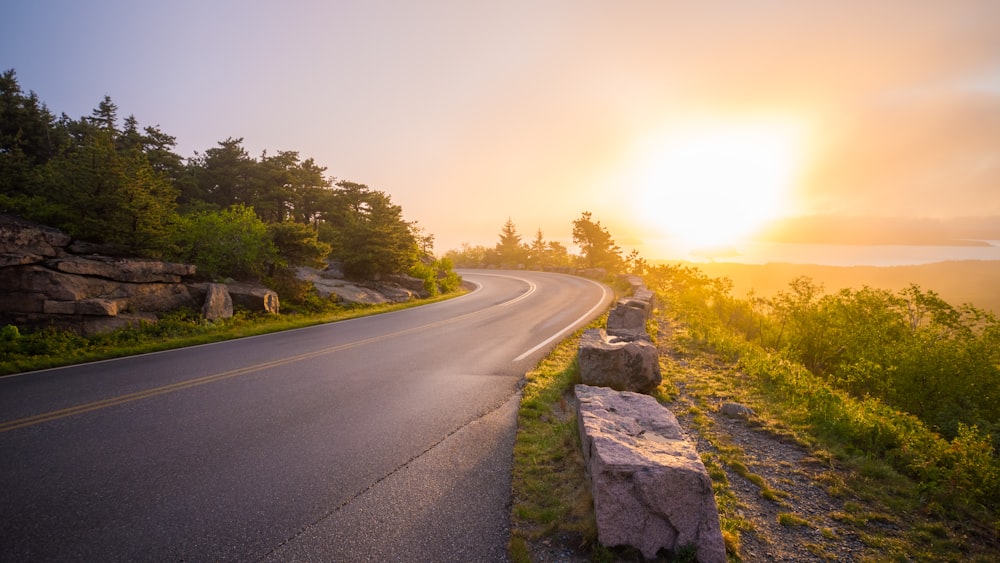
(53, 348)
(898, 389)
(887, 400)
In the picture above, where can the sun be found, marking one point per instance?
(709, 185)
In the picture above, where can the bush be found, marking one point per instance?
(231, 243)
(439, 276)
(908, 352)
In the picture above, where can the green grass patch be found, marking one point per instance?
(52, 348)
(551, 496)
(790, 519)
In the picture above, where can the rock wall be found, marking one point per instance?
(49, 280)
(651, 490)
(330, 283)
(622, 356)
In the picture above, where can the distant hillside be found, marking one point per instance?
(974, 281)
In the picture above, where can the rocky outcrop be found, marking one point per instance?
(618, 363)
(650, 488)
(593, 273)
(46, 282)
(330, 283)
(122, 270)
(22, 242)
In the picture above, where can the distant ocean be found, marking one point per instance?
(853, 255)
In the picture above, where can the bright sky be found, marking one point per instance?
(675, 123)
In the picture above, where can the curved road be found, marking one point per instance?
(386, 438)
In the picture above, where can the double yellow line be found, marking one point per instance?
(128, 398)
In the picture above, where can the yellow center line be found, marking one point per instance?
(139, 395)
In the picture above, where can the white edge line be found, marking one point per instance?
(547, 341)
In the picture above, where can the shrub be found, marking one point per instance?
(935, 359)
(231, 243)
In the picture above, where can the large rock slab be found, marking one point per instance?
(123, 269)
(651, 490)
(330, 283)
(59, 286)
(45, 282)
(620, 363)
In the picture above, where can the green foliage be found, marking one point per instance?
(468, 256)
(510, 253)
(26, 139)
(539, 254)
(298, 244)
(9, 333)
(426, 273)
(232, 243)
(439, 276)
(447, 279)
(902, 378)
(549, 488)
(100, 186)
(368, 233)
(599, 249)
(41, 343)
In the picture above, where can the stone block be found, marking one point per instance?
(628, 318)
(622, 364)
(651, 490)
(254, 297)
(218, 302)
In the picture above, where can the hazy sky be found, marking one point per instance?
(468, 113)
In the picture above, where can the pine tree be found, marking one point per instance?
(599, 249)
(510, 251)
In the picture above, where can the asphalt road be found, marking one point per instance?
(386, 438)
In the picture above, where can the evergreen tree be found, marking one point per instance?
(297, 245)
(369, 234)
(510, 252)
(223, 175)
(28, 138)
(599, 249)
(102, 192)
(558, 255)
(538, 251)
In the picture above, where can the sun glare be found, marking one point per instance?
(710, 185)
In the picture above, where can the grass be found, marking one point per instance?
(49, 348)
(551, 498)
(790, 519)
